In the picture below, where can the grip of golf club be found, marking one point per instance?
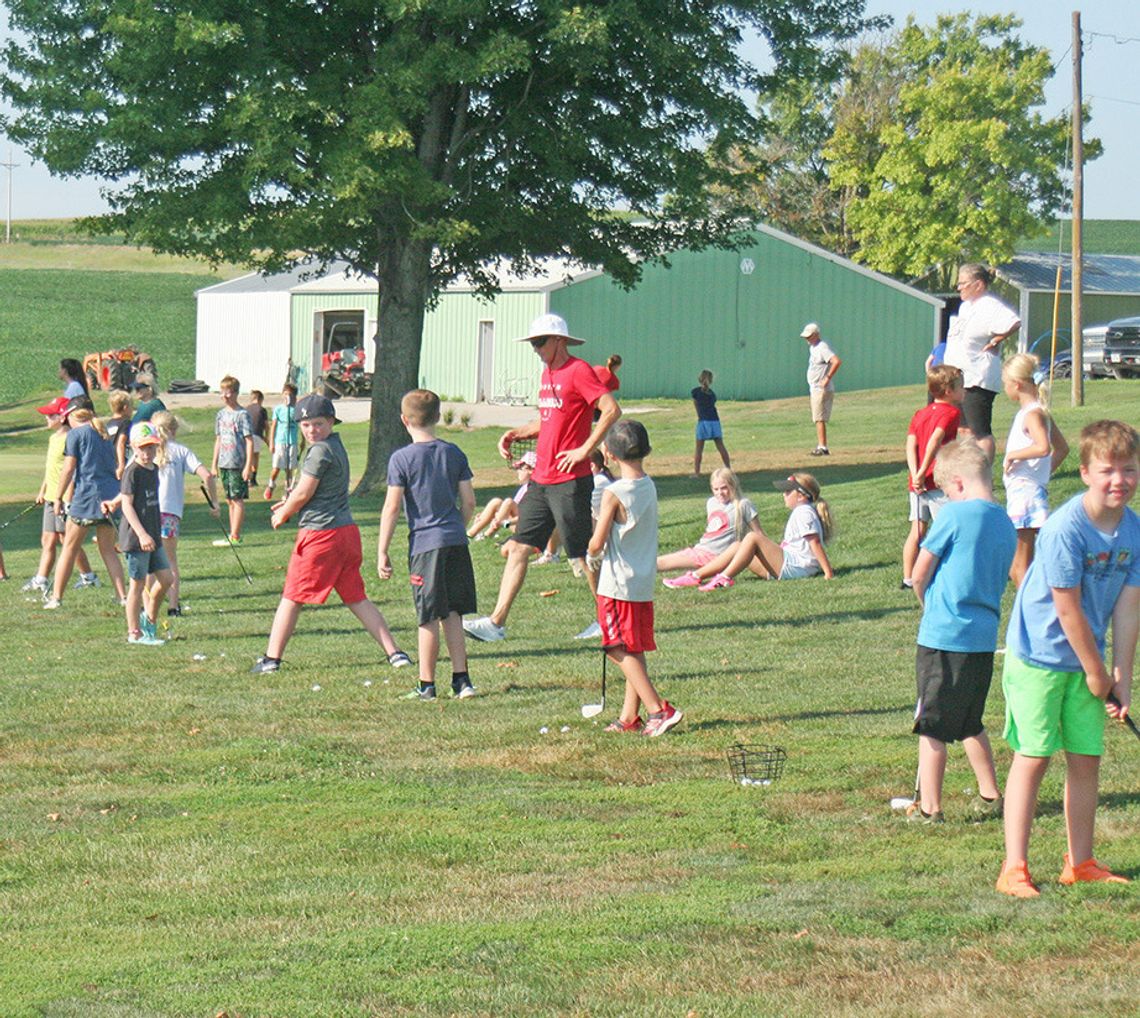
(1127, 717)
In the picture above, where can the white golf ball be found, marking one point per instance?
(746, 781)
(543, 730)
(367, 682)
(199, 657)
(316, 689)
(564, 728)
(766, 781)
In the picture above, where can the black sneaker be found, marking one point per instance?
(265, 664)
(426, 693)
(821, 450)
(463, 690)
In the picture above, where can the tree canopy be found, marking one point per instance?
(415, 140)
(928, 149)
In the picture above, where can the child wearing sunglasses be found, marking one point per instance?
(800, 554)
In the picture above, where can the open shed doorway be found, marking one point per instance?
(338, 339)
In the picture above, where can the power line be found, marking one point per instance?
(1119, 40)
(1114, 99)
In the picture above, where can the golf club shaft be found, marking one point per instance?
(1127, 717)
(605, 656)
(226, 531)
(23, 512)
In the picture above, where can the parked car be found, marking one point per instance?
(1092, 351)
(1122, 347)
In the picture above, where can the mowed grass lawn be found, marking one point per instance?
(179, 837)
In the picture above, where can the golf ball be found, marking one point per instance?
(316, 689)
(564, 728)
(367, 682)
(199, 657)
(746, 781)
(766, 781)
(543, 730)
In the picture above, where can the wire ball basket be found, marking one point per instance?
(520, 446)
(754, 764)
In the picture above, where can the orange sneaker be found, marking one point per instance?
(1089, 871)
(1014, 881)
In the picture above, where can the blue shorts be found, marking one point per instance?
(708, 430)
(141, 564)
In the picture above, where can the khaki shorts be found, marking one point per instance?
(821, 400)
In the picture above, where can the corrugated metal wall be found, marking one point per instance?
(449, 359)
(705, 312)
(245, 335)
(1096, 309)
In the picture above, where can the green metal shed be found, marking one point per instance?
(740, 313)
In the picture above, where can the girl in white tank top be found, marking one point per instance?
(1034, 449)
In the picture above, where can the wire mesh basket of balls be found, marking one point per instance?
(754, 764)
(520, 446)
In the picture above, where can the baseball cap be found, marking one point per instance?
(315, 405)
(811, 329)
(144, 433)
(550, 325)
(527, 459)
(628, 440)
(55, 407)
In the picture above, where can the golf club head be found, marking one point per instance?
(592, 710)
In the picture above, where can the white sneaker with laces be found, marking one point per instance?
(591, 632)
(484, 629)
(39, 583)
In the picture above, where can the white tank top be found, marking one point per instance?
(629, 569)
(1034, 471)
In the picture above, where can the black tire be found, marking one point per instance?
(120, 375)
(331, 388)
(1063, 371)
(93, 380)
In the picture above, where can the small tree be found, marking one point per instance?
(416, 141)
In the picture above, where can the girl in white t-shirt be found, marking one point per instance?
(1034, 449)
(729, 517)
(174, 461)
(800, 554)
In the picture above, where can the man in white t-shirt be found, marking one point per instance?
(822, 365)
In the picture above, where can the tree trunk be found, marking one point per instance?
(403, 272)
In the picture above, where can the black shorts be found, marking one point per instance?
(565, 506)
(442, 582)
(978, 411)
(952, 691)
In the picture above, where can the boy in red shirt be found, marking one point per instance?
(930, 428)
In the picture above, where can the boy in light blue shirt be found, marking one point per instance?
(1084, 576)
(959, 577)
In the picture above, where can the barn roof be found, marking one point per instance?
(1117, 274)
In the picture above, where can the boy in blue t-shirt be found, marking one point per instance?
(1085, 575)
(428, 477)
(959, 578)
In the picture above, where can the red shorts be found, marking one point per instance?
(324, 561)
(626, 624)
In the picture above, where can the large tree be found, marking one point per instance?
(416, 139)
(961, 162)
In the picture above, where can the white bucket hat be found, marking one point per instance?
(550, 325)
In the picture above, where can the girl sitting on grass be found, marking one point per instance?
(729, 517)
(800, 554)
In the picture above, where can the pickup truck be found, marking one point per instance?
(1122, 347)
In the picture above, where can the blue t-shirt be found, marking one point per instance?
(429, 473)
(74, 389)
(1071, 552)
(974, 541)
(706, 404)
(285, 424)
(95, 479)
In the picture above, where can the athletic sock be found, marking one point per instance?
(425, 686)
(908, 582)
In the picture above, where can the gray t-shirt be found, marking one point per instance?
(328, 509)
(232, 428)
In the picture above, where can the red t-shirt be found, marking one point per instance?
(607, 377)
(924, 423)
(566, 398)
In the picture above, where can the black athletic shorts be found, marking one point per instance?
(442, 582)
(565, 506)
(978, 411)
(952, 691)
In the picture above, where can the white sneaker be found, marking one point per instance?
(484, 629)
(546, 559)
(591, 632)
(39, 583)
(86, 580)
(51, 603)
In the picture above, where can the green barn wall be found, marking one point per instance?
(704, 312)
(450, 339)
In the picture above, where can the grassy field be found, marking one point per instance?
(180, 838)
(1099, 236)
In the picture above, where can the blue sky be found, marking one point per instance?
(1111, 84)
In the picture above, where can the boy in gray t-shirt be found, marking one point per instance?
(327, 554)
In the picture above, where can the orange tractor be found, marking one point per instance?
(117, 369)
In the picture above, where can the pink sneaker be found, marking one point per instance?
(689, 579)
(662, 721)
(718, 581)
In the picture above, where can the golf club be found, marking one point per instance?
(902, 801)
(226, 531)
(592, 710)
(22, 512)
(1111, 699)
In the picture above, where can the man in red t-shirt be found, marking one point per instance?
(930, 428)
(560, 488)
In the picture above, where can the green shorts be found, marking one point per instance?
(1046, 711)
(234, 485)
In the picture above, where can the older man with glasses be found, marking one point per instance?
(561, 486)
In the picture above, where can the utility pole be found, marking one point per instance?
(1078, 217)
(9, 166)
